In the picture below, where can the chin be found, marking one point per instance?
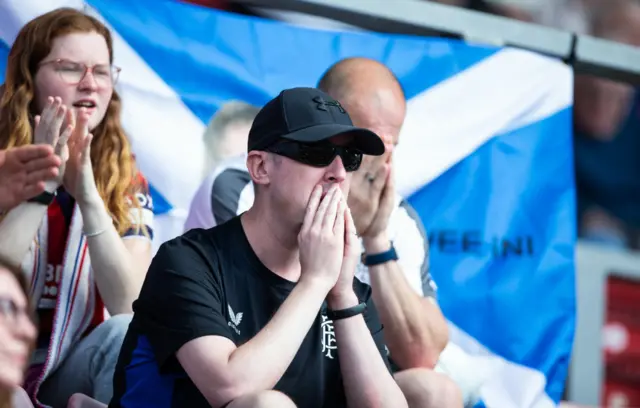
(94, 122)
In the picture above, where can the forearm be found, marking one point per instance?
(366, 378)
(115, 270)
(260, 363)
(18, 230)
(415, 329)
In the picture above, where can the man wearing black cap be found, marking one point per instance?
(264, 310)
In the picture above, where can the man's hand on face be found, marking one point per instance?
(365, 192)
(375, 238)
(371, 200)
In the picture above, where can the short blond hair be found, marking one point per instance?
(230, 113)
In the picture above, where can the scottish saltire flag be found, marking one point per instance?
(485, 157)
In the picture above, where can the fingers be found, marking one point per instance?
(86, 149)
(341, 206)
(365, 168)
(388, 193)
(83, 121)
(48, 124)
(69, 119)
(51, 118)
(47, 112)
(338, 222)
(349, 232)
(64, 139)
(56, 124)
(28, 153)
(349, 225)
(332, 213)
(32, 190)
(312, 206)
(390, 176)
(81, 127)
(42, 175)
(380, 178)
(318, 220)
(42, 163)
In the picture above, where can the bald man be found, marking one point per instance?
(395, 245)
(395, 250)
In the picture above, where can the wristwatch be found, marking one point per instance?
(382, 257)
(44, 198)
(346, 313)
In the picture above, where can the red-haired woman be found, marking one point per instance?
(84, 244)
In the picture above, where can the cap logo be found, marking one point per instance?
(324, 105)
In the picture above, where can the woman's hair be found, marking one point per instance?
(113, 164)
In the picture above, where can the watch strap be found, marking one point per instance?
(346, 313)
(380, 258)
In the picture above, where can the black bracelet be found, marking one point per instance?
(346, 313)
(381, 258)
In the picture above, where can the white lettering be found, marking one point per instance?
(50, 273)
(328, 337)
(54, 274)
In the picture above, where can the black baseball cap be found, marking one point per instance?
(308, 115)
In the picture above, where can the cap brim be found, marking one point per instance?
(364, 140)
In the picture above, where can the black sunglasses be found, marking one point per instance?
(320, 154)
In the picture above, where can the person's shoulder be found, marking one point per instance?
(141, 191)
(404, 208)
(231, 189)
(138, 181)
(195, 244)
(202, 241)
(229, 178)
(405, 216)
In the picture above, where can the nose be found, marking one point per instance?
(88, 82)
(335, 172)
(26, 330)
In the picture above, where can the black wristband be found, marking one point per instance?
(378, 259)
(346, 313)
(44, 198)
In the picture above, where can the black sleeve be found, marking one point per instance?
(373, 321)
(181, 299)
(225, 194)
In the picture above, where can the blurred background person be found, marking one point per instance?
(225, 137)
(17, 337)
(607, 147)
(227, 133)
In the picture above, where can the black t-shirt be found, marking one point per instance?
(210, 282)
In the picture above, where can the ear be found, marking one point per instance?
(259, 167)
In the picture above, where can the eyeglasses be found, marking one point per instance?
(72, 73)
(319, 154)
